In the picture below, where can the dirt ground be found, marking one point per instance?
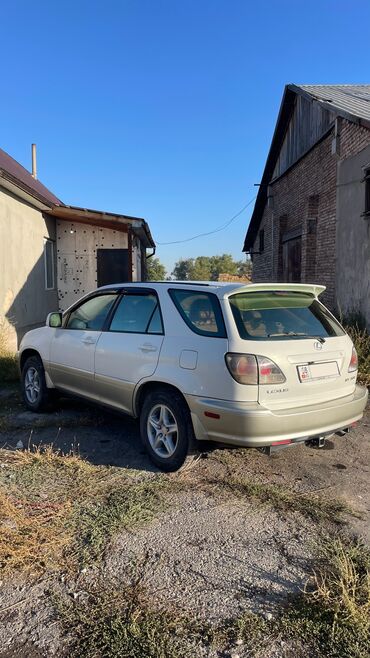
(210, 557)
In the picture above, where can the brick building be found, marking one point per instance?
(311, 220)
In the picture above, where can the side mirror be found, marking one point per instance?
(54, 320)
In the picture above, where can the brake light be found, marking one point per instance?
(353, 364)
(243, 367)
(253, 370)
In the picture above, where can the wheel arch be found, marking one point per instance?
(149, 387)
(29, 351)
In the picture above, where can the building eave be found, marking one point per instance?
(137, 225)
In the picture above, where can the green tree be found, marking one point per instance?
(208, 268)
(156, 271)
(183, 269)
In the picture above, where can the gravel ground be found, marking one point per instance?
(217, 560)
(210, 559)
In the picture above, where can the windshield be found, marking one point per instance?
(279, 315)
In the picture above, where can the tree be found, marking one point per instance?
(183, 269)
(208, 268)
(156, 271)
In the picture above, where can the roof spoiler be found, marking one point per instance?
(309, 288)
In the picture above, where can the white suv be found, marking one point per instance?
(259, 365)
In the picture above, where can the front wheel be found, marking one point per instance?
(166, 429)
(35, 392)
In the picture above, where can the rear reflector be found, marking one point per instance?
(210, 414)
(282, 443)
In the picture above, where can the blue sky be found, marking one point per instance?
(164, 109)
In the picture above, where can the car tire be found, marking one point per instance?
(166, 430)
(36, 394)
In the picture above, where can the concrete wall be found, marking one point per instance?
(24, 302)
(353, 237)
(77, 245)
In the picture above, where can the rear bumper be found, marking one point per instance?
(252, 425)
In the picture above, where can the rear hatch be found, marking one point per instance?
(296, 332)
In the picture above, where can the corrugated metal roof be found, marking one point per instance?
(16, 171)
(353, 99)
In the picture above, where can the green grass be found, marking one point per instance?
(126, 507)
(119, 623)
(314, 508)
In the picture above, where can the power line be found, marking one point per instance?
(216, 230)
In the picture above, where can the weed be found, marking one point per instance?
(283, 500)
(69, 506)
(119, 623)
(127, 507)
(332, 615)
(361, 340)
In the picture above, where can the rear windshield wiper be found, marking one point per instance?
(300, 335)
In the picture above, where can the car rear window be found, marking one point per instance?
(201, 311)
(280, 315)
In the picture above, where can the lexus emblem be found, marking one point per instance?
(317, 345)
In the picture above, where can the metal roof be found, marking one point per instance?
(12, 168)
(349, 101)
(352, 99)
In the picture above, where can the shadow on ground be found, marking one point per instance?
(99, 436)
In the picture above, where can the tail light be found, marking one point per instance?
(353, 364)
(253, 370)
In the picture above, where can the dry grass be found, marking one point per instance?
(8, 361)
(32, 535)
(361, 340)
(59, 510)
(342, 583)
(332, 616)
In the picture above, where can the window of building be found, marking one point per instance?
(367, 191)
(49, 264)
(261, 240)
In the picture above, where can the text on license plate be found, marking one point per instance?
(318, 371)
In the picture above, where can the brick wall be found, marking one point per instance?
(305, 197)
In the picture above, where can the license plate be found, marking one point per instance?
(318, 371)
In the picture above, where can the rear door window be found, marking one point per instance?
(279, 315)
(201, 311)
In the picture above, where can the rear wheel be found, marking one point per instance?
(36, 395)
(166, 429)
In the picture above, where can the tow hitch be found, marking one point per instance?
(317, 442)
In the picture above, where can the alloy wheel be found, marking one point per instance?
(162, 430)
(32, 385)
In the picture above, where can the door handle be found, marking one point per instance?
(89, 341)
(147, 347)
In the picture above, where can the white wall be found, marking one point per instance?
(24, 301)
